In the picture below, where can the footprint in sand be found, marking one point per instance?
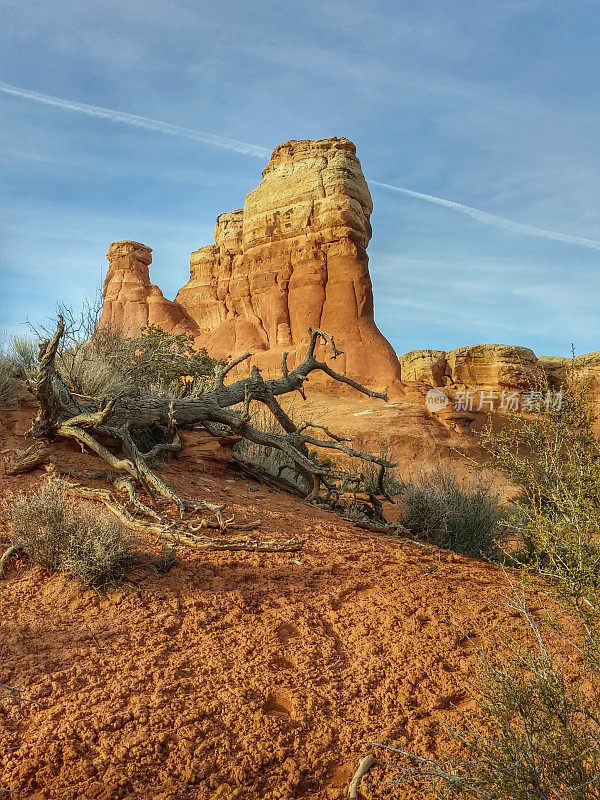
(285, 632)
(280, 664)
(279, 704)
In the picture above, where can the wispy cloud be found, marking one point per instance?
(245, 148)
(139, 122)
(493, 219)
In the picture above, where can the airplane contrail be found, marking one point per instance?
(493, 219)
(262, 152)
(140, 122)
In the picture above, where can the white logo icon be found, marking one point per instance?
(436, 400)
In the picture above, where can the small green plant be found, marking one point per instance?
(320, 461)
(171, 361)
(61, 536)
(440, 510)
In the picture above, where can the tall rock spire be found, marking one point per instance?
(130, 301)
(293, 258)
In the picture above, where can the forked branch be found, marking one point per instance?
(220, 407)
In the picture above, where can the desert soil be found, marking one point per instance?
(237, 675)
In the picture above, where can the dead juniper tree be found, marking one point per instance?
(220, 409)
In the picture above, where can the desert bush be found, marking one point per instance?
(9, 389)
(440, 510)
(534, 735)
(536, 731)
(100, 368)
(155, 363)
(17, 362)
(554, 458)
(171, 361)
(69, 538)
(101, 362)
(24, 353)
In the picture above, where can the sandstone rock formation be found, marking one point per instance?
(492, 366)
(587, 369)
(426, 366)
(130, 300)
(555, 369)
(294, 257)
(485, 366)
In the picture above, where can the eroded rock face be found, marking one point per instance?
(555, 369)
(293, 258)
(486, 366)
(584, 368)
(492, 366)
(426, 366)
(587, 369)
(131, 300)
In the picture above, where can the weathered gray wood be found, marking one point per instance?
(62, 415)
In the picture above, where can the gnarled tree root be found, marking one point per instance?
(364, 766)
(181, 533)
(28, 459)
(13, 550)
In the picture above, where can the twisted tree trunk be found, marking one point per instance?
(62, 415)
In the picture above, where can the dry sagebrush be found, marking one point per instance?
(75, 539)
(441, 510)
(535, 734)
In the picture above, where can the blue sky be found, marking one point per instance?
(493, 105)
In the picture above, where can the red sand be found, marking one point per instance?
(237, 675)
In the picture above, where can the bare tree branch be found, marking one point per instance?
(217, 407)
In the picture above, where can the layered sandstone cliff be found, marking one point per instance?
(492, 366)
(293, 258)
(485, 366)
(497, 367)
(424, 366)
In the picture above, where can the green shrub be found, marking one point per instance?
(536, 730)
(320, 461)
(170, 360)
(444, 512)
(554, 458)
(155, 363)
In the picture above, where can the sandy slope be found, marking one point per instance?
(237, 675)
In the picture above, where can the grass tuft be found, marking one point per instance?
(61, 536)
(442, 511)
